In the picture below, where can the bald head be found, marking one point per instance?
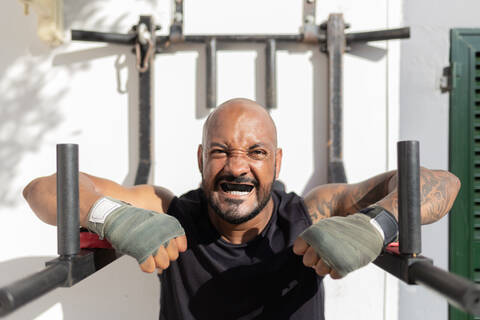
(239, 160)
(239, 110)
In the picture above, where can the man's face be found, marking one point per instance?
(239, 162)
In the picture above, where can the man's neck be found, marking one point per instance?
(244, 232)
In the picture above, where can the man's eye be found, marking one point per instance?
(258, 154)
(218, 151)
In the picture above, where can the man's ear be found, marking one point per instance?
(278, 161)
(200, 158)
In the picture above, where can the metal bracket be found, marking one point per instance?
(176, 27)
(79, 266)
(309, 30)
(446, 81)
(398, 265)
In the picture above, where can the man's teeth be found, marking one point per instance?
(238, 193)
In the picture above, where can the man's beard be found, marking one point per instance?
(231, 215)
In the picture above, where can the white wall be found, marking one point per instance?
(86, 93)
(424, 117)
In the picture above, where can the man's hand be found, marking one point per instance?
(153, 239)
(340, 245)
(311, 259)
(161, 260)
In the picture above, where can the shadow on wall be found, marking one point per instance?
(107, 294)
(27, 111)
(25, 117)
(30, 96)
(320, 121)
(126, 83)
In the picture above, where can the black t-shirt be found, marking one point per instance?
(261, 279)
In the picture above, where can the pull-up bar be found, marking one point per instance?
(404, 261)
(73, 264)
(330, 37)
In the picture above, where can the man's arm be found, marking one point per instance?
(349, 240)
(41, 195)
(134, 222)
(438, 190)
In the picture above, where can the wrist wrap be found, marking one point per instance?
(132, 231)
(384, 221)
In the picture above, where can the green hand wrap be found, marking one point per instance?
(345, 243)
(132, 231)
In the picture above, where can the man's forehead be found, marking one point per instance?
(240, 118)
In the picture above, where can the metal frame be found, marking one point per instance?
(74, 264)
(405, 262)
(329, 36)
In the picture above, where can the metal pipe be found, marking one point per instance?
(211, 49)
(68, 236)
(261, 38)
(335, 48)
(390, 34)
(409, 221)
(130, 38)
(145, 88)
(271, 74)
(25, 290)
(118, 38)
(460, 292)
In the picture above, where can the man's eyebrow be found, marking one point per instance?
(216, 144)
(257, 145)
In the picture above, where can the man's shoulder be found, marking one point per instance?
(291, 205)
(191, 201)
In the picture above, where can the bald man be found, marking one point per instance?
(253, 252)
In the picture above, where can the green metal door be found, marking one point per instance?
(465, 156)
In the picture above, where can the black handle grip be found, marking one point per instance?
(459, 291)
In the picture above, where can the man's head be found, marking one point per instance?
(239, 159)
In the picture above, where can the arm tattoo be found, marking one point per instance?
(323, 203)
(438, 190)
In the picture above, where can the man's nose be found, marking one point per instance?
(237, 165)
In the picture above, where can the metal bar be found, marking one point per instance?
(107, 37)
(310, 30)
(335, 48)
(238, 38)
(145, 112)
(409, 197)
(380, 35)
(460, 292)
(68, 236)
(211, 48)
(176, 27)
(271, 74)
(25, 290)
(129, 38)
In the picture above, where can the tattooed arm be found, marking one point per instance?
(438, 190)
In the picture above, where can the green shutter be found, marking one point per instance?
(465, 157)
